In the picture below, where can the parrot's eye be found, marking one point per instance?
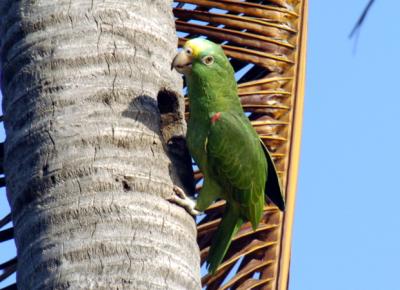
(188, 51)
(208, 60)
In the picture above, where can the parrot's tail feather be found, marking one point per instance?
(273, 187)
(230, 224)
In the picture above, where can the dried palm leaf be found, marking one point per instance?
(5, 220)
(266, 43)
(10, 287)
(7, 268)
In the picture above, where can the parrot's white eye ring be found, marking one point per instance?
(208, 60)
(188, 51)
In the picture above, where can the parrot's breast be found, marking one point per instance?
(196, 140)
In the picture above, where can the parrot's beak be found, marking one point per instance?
(182, 62)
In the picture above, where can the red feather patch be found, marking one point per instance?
(215, 117)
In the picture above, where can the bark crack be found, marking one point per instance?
(94, 229)
(69, 15)
(96, 148)
(100, 29)
(51, 137)
(168, 271)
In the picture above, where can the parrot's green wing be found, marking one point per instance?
(237, 159)
(273, 188)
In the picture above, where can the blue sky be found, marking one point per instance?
(346, 234)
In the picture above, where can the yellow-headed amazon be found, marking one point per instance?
(236, 165)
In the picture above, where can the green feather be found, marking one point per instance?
(273, 188)
(230, 224)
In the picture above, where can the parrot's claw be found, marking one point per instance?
(180, 198)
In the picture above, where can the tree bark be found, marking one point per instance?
(87, 172)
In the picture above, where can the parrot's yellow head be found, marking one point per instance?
(197, 45)
(201, 53)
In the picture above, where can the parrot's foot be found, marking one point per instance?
(180, 198)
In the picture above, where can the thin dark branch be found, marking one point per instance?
(10, 287)
(8, 272)
(9, 263)
(1, 158)
(6, 235)
(5, 220)
(361, 19)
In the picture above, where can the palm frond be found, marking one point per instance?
(266, 43)
(5, 220)
(10, 287)
(9, 267)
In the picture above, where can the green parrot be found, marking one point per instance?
(236, 165)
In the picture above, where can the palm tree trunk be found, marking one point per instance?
(87, 173)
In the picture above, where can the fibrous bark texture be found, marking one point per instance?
(87, 172)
